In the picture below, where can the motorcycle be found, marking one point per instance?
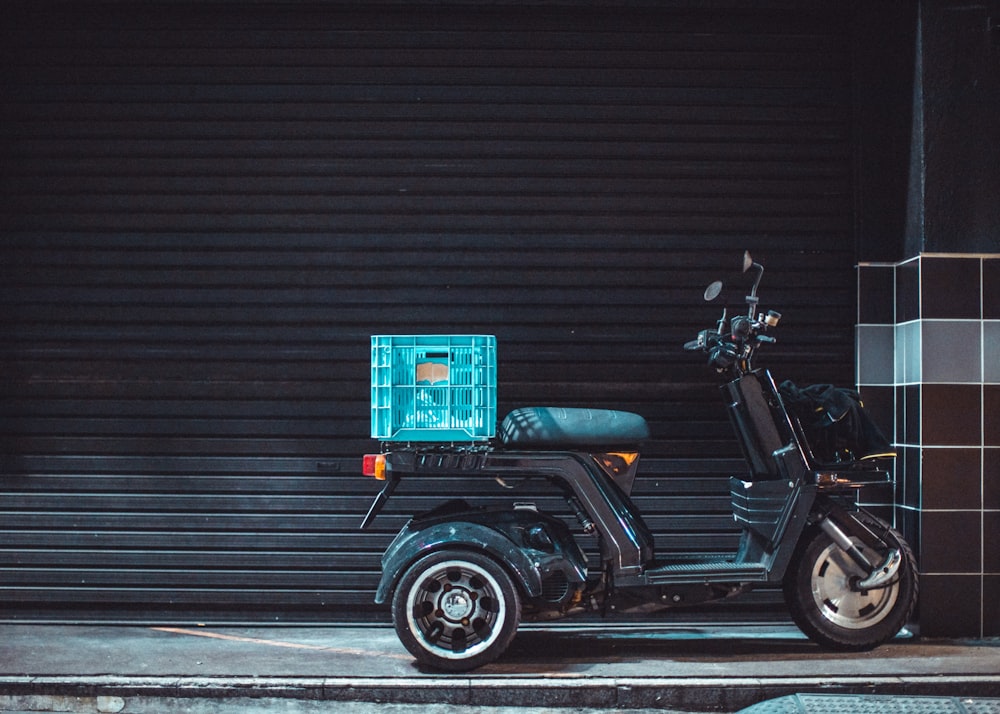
(461, 578)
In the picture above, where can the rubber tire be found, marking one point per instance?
(818, 594)
(456, 610)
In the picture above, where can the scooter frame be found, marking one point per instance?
(785, 490)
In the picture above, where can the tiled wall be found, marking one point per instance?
(928, 364)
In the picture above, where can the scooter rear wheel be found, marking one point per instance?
(823, 601)
(456, 611)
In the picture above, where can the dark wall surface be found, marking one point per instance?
(956, 134)
(885, 56)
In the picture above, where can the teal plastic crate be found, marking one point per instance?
(440, 388)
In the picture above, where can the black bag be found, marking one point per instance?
(835, 423)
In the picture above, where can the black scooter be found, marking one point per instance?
(460, 578)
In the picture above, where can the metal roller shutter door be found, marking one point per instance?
(208, 209)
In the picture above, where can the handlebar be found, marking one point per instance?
(731, 351)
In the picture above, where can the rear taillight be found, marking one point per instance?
(374, 465)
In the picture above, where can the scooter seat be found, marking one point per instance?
(569, 428)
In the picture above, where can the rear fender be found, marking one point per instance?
(530, 545)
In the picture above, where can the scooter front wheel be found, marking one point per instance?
(822, 594)
(456, 611)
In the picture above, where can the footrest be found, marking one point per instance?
(718, 571)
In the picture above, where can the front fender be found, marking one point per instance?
(511, 537)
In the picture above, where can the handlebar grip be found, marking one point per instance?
(692, 346)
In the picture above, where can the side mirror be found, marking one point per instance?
(713, 291)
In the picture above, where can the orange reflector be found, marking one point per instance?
(616, 462)
(374, 465)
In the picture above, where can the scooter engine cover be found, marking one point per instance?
(569, 428)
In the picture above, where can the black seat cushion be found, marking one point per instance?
(562, 427)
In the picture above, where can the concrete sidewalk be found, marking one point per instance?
(689, 667)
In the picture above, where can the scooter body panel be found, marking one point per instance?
(538, 550)
(626, 542)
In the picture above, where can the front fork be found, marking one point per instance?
(839, 524)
